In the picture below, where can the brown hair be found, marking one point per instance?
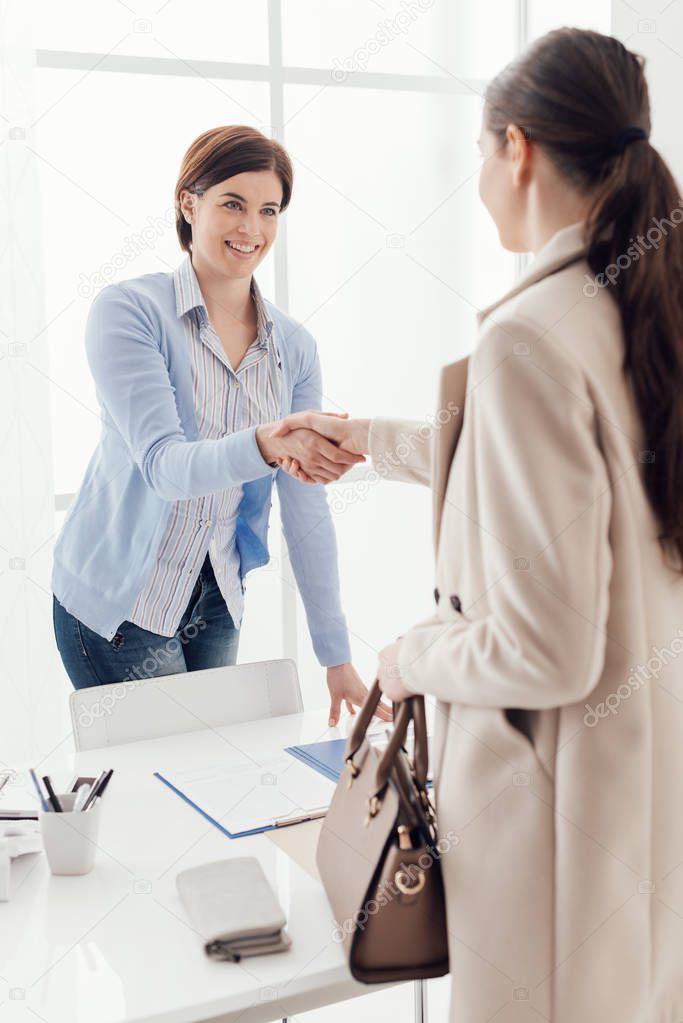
(582, 98)
(221, 153)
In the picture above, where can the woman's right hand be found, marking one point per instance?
(350, 434)
(317, 459)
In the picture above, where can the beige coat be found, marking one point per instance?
(554, 655)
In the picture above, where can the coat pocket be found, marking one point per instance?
(519, 725)
(522, 720)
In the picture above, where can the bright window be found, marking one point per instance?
(385, 254)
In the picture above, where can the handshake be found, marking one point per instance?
(314, 447)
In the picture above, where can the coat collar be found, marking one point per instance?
(565, 247)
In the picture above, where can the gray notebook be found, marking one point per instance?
(232, 905)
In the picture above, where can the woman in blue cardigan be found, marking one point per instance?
(193, 371)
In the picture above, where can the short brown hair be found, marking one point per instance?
(221, 153)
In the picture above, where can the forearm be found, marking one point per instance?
(178, 470)
(401, 449)
(496, 663)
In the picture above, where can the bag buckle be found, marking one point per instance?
(355, 771)
(374, 803)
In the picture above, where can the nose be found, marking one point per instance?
(249, 224)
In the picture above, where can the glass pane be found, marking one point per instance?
(209, 31)
(390, 249)
(107, 200)
(385, 561)
(417, 37)
(390, 255)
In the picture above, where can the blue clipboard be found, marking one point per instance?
(326, 757)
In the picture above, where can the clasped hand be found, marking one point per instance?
(314, 447)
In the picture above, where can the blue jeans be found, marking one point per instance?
(206, 637)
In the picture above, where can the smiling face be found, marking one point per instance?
(234, 223)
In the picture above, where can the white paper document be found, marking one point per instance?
(252, 796)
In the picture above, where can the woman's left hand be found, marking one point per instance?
(389, 675)
(345, 684)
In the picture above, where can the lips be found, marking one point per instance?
(245, 250)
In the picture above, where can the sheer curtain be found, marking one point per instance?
(33, 707)
(385, 254)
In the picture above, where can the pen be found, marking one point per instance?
(307, 815)
(54, 802)
(104, 784)
(4, 779)
(95, 790)
(43, 801)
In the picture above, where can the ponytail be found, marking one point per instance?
(633, 230)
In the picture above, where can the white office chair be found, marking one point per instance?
(149, 708)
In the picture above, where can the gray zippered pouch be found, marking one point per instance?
(232, 905)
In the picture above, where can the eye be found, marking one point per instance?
(270, 211)
(231, 204)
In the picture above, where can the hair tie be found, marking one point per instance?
(627, 136)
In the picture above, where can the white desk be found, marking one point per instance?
(115, 944)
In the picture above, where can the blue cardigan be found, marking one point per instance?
(150, 455)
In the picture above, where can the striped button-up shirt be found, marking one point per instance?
(225, 401)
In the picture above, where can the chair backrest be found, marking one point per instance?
(148, 708)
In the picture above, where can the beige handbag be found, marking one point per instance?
(378, 856)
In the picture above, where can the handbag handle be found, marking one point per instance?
(396, 741)
(421, 749)
(412, 707)
(363, 721)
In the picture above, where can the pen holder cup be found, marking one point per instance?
(70, 838)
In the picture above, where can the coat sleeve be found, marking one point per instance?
(401, 449)
(539, 511)
(134, 389)
(309, 533)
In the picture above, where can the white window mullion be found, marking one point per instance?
(277, 123)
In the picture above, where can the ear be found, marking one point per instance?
(187, 205)
(520, 149)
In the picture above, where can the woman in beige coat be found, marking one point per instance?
(554, 649)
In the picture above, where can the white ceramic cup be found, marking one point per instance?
(70, 839)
